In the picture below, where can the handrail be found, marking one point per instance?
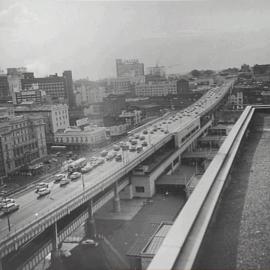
(177, 251)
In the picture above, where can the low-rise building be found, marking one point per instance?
(56, 117)
(117, 130)
(156, 88)
(132, 118)
(22, 141)
(73, 136)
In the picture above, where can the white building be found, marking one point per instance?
(76, 136)
(156, 88)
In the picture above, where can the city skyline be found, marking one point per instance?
(86, 37)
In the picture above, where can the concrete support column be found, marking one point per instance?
(56, 261)
(90, 229)
(116, 199)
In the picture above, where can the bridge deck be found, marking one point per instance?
(240, 237)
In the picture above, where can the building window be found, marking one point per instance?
(139, 189)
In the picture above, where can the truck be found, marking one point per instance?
(77, 165)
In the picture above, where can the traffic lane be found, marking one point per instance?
(30, 207)
(28, 200)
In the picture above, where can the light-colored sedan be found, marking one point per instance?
(43, 191)
(75, 175)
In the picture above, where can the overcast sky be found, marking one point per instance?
(86, 37)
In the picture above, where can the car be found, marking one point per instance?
(137, 136)
(100, 161)
(145, 132)
(118, 157)
(43, 192)
(133, 142)
(64, 182)
(130, 139)
(41, 185)
(142, 137)
(104, 153)
(110, 156)
(58, 177)
(125, 147)
(132, 148)
(6, 201)
(10, 207)
(75, 175)
(139, 149)
(166, 131)
(144, 143)
(116, 147)
(86, 168)
(89, 242)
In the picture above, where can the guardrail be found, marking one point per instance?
(19, 236)
(181, 245)
(40, 254)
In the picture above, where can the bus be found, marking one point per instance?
(58, 148)
(77, 165)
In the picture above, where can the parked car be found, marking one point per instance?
(145, 132)
(43, 192)
(139, 149)
(90, 242)
(75, 175)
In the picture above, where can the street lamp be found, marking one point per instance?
(83, 184)
(8, 220)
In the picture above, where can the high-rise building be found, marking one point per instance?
(22, 140)
(4, 89)
(129, 68)
(67, 74)
(54, 86)
(59, 88)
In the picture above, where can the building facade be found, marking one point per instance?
(156, 88)
(132, 118)
(22, 141)
(131, 67)
(59, 88)
(4, 89)
(56, 117)
(88, 94)
(77, 136)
